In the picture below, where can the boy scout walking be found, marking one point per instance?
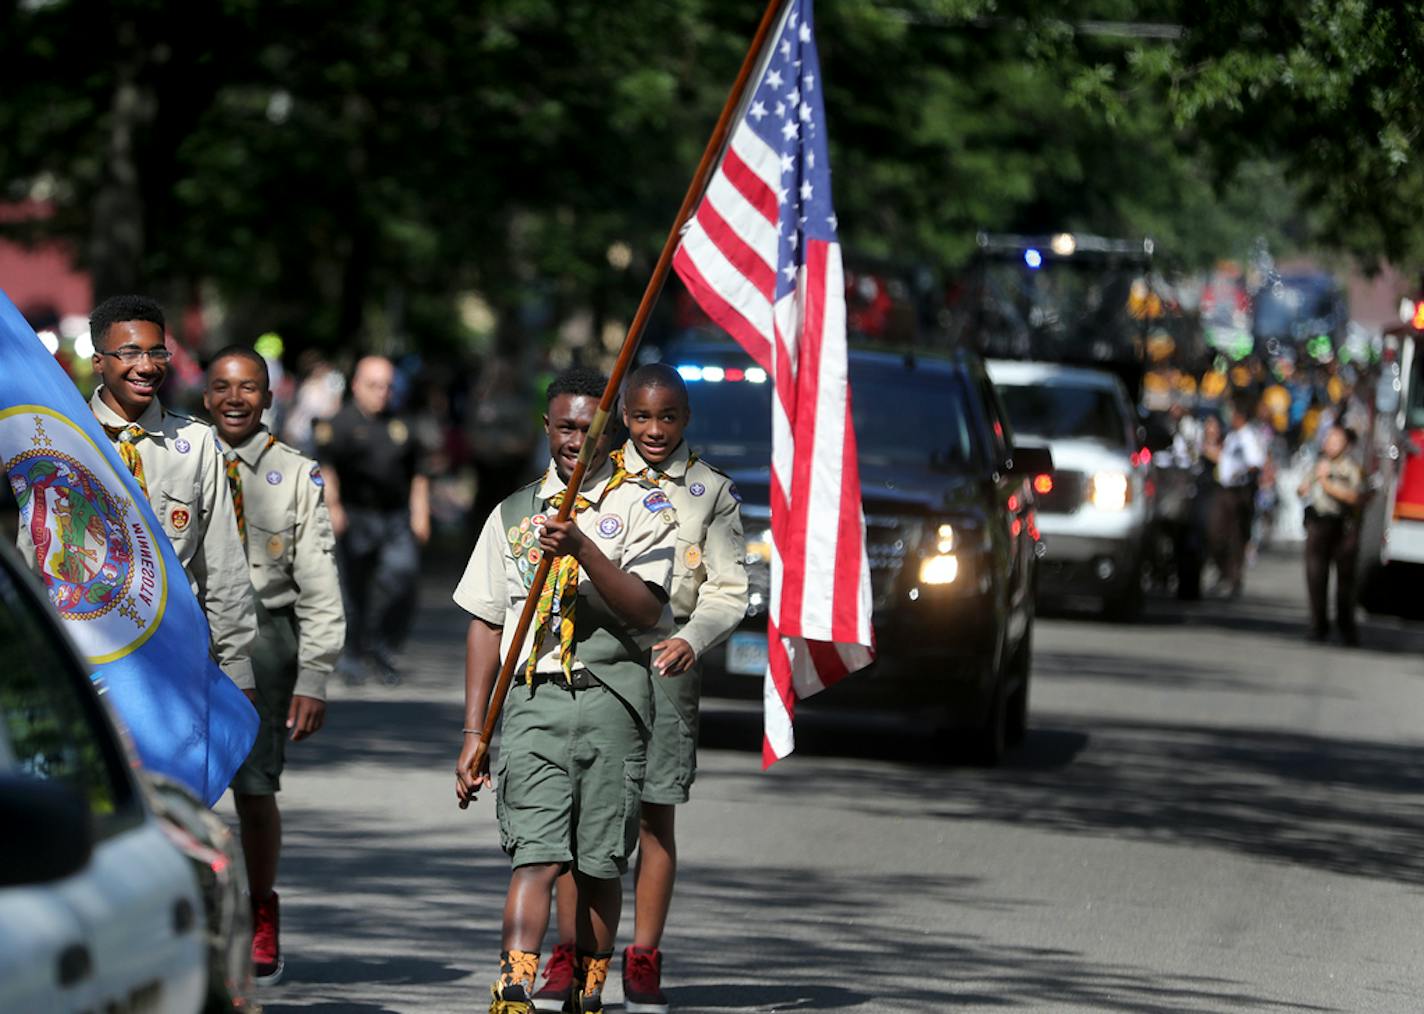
(175, 459)
(709, 599)
(291, 561)
(576, 721)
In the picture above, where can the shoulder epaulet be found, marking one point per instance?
(282, 445)
(185, 419)
(713, 468)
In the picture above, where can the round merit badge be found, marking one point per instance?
(524, 525)
(534, 555)
(610, 525)
(99, 559)
(692, 557)
(513, 535)
(274, 478)
(182, 446)
(697, 489)
(527, 539)
(538, 520)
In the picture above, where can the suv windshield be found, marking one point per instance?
(1063, 411)
(903, 417)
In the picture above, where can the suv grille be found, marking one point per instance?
(887, 540)
(1067, 494)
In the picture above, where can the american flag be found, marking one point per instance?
(760, 256)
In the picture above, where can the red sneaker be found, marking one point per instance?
(642, 981)
(558, 980)
(267, 963)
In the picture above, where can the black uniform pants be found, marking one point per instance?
(1232, 513)
(1331, 540)
(379, 565)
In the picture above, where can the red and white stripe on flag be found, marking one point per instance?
(761, 258)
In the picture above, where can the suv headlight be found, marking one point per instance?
(1110, 491)
(943, 566)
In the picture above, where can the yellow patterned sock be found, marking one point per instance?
(518, 966)
(595, 971)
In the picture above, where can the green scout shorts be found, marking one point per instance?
(672, 750)
(569, 778)
(274, 667)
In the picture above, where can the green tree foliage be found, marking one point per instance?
(340, 171)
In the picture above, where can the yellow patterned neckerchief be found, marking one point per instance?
(128, 437)
(234, 485)
(648, 473)
(559, 598)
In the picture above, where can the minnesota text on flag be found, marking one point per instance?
(113, 576)
(761, 257)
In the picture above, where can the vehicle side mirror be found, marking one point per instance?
(49, 834)
(1028, 460)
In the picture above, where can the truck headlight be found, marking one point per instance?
(1109, 491)
(942, 568)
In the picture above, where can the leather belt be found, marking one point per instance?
(579, 679)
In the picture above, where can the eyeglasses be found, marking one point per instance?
(129, 354)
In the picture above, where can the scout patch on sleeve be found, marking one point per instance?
(611, 524)
(737, 496)
(274, 478)
(656, 501)
(316, 478)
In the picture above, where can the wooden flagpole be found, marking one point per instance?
(695, 190)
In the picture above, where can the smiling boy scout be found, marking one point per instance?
(175, 460)
(291, 557)
(576, 721)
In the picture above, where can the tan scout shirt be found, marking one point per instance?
(709, 589)
(187, 489)
(291, 551)
(638, 539)
(1344, 471)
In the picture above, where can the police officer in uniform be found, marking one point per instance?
(291, 556)
(1333, 492)
(378, 494)
(177, 463)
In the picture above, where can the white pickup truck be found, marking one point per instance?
(1093, 510)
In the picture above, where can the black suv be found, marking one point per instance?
(950, 534)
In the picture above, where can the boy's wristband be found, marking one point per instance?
(473, 732)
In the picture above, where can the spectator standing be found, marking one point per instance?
(378, 494)
(1333, 491)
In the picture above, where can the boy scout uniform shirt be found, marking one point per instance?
(709, 590)
(632, 525)
(291, 551)
(187, 488)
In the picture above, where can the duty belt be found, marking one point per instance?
(579, 679)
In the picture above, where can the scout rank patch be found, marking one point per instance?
(274, 478)
(692, 557)
(697, 489)
(182, 446)
(275, 545)
(521, 546)
(610, 525)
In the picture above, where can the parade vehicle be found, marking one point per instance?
(1392, 526)
(1095, 509)
(101, 907)
(950, 530)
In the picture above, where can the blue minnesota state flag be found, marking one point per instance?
(112, 574)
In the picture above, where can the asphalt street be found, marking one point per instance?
(1208, 815)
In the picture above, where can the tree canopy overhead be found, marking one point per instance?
(348, 169)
